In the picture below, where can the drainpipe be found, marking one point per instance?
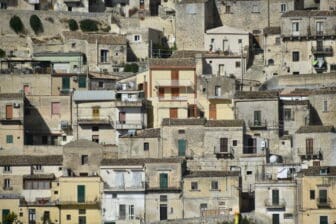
(268, 14)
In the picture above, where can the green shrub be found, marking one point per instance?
(36, 24)
(73, 26)
(2, 53)
(131, 68)
(16, 24)
(88, 25)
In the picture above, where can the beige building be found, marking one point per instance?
(211, 193)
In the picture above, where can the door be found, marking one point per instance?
(163, 212)
(95, 113)
(161, 93)
(175, 93)
(323, 196)
(173, 113)
(5, 212)
(309, 146)
(182, 147)
(223, 145)
(163, 180)
(122, 117)
(174, 75)
(32, 216)
(275, 197)
(257, 118)
(9, 112)
(275, 219)
(221, 69)
(65, 83)
(80, 193)
(212, 111)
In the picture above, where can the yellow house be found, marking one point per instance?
(211, 193)
(8, 203)
(79, 199)
(317, 195)
(172, 88)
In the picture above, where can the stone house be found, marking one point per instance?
(101, 81)
(11, 120)
(273, 55)
(316, 194)
(308, 41)
(211, 193)
(315, 145)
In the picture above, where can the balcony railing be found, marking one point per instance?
(173, 83)
(4, 119)
(74, 202)
(173, 98)
(257, 124)
(137, 103)
(327, 51)
(271, 205)
(124, 187)
(225, 154)
(323, 202)
(311, 156)
(94, 120)
(128, 124)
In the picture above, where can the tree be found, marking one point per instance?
(131, 68)
(36, 24)
(10, 218)
(16, 24)
(88, 25)
(2, 53)
(73, 26)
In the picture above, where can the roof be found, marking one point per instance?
(324, 91)
(121, 162)
(224, 123)
(50, 176)
(82, 143)
(181, 122)
(172, 62)
(9, 96)
(186, 53)
(146, 133)
(256, 94)
(192, 1)
(212, 174)
(26, 160)
(94, 95)
(226, 30)
(295, 102)
(100, 38)
(316, 171)
(93, 75)
(315, 129)
(272, 30)
(310, 13)
(49, 53)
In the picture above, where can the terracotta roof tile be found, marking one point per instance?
(25, 160)
(181, 122)
(256, 94)
(194, 174)
(302, 13)
(272, 30)
(172, 62)
(224, 123)
(121, 162)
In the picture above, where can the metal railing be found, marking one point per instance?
(174, 98)
(323, 202)
(270, 204)
(257, 124)
(126, 187)
(129, 124)
(94, 120)
(328, 50)
(174, 83)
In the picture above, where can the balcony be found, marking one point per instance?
(229, 154)
(125, 187)
(73, 202)
(327, 51)
(129, 103)
(94, 120)
(34, 1)
(174, 98)
(136, 124)
(7, 120)
(65, 92)
(312, 156)
(174, 83)
(271, 205)
(257, 124)
(323, 202)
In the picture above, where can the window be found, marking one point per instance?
(65, 83)
(163, 180)
(248, 172)
(223, 145)
(203, 206)
(319, 28)
(255, 9)
(146, 146)
(55, 108)
(240, 41)
(95, 138)
(270, 62)
(194, 186)
(323, 219)
(95, 112)
(332, 67)
(81, 220)
(323, 197)
(32, 216)
(95, 128)
(275, 197)
(288, 114)
(257, 118)
(234, 142)
(181, 131)
(214, 185)
(80, 193)
(182, 145)
(103, 56)
(137, 38)
(295, 28)
(38, 167)
(7, 184)
(275, 219)
(122, 212)
(227, 9)
(82, 81)
(237, 64)
(325, 106)
(85, 159)
(312, 194)
(7, 169)
(163, 198)
(277, 41)
(296, 56)
(68, 217)
(122, 117)
(101, 84)
(309, 146)
(283, 7)
(9, 139)
(131, 211)
(218, 91)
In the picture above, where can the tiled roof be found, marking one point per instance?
(272, 30)
(11, 95)
(318, 171)
(303, 13)
(93, 75)
(120, 162)
(148, 133)
(224, 123)
(295, 102)
(50, 176)
(93, 38)
(178, 122)
(324, 91)
(186, 54)
(83, 143)
(25, 160)
(51, 53)
(256, 94)
(212, 174)
(172, 62)
(315, 129)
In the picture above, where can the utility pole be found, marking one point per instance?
(242, 68)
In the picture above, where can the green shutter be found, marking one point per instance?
(182, 147)
(275, 197)
(9, 139)
(65, 83)
(163, 180)
(80, 193)
(5, 212)
(82, 81)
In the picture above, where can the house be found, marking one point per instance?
(101, 81)
(211, 193)
(316, 195)
(273, 60)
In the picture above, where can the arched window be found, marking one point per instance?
(270, 62)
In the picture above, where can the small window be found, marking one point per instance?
(82, 211)
(214, 185)
(234, 143)
(7, 169)
(104, 56)
(312, 194)
(9, 139)
(227, 9)
(95, 128)
(332, 67)
(248, 172)
(288, 114)
(270, 62)
(240, 41)
(181, 131)
(163, 198)
(237, 64)
(296, 73)
(55, 192)
(296, 56)
(137, 38)
(55, 108)
(295, 27)
(277, 41)
(194, 186)
(82, 81)
(64, 138)
(38, 167)
(84, 159)
(68, 217)
(283, 7)
(325, 106)
(7, 184)
(146, 146)
(101, 84)
(255, 9)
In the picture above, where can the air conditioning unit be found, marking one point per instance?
(16, 105)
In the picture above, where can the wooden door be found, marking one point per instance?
(173, 113)
(212, 111)
(175, 93)
(309, 146)
(163, 212)
(161, 92)
(174, 75)
(9, 112)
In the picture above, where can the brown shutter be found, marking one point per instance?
(173, 113)
(212, 112)
(309, 146)
(175, 92)
(161, 92)
(9, 112)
